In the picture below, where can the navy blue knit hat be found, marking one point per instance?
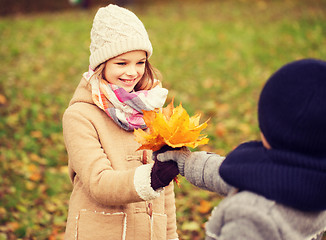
(292, 117)
(292, 108)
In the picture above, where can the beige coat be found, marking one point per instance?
(112, 197)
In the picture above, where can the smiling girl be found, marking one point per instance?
(126, 70)
(118, 192)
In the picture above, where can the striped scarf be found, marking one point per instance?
(125, 108)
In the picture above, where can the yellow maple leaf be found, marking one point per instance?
(170, 126)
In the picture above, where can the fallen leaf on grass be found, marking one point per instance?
(204, 206)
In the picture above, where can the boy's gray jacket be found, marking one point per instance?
(246, 215)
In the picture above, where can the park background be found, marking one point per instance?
(214, 57)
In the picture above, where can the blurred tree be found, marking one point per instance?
(123, 2)
(8, 7)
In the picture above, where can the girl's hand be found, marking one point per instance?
(163, 173)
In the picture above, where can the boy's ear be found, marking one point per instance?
(265, 143)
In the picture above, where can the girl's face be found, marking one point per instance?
(126, 70)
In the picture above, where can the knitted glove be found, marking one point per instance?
(162, 172)
(178, 155)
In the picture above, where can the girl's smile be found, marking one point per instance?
(126, 70)
(128, 82)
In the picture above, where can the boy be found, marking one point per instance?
(276, 188)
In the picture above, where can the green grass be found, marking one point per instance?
(214, 58)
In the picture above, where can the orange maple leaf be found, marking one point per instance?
(170, 126)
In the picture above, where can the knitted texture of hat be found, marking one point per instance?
(115, 31)
(292, 109)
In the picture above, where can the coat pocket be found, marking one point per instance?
(93, 225)
(159, 225)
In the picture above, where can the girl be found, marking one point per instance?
(117, 192)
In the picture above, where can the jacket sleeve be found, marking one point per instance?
(241, 221)
(202, 170)
(88, 162)
(170, 211)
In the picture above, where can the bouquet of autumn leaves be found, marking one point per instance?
(170, 126)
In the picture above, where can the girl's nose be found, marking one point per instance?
(131, 71)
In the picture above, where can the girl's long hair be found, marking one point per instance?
(146, 82)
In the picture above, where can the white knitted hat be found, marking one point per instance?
(115, 31)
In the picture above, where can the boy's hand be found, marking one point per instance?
(177, 155)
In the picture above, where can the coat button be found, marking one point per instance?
(144, 160)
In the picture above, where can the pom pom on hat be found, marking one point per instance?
(115, 31)
(292, 108)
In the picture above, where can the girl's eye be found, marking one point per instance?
(141, 62)
(121, 63)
